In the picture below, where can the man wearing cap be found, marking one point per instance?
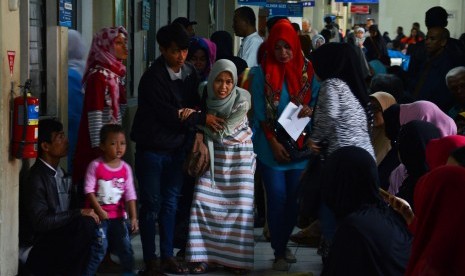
(187, 24)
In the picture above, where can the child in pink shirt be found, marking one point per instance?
(109, 190)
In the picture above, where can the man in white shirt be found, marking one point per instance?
(244, 26)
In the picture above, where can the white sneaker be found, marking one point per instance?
(281, 265)
(290, 257)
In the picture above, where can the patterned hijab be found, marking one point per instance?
(438, 246)
(276, 73)
(102, 52)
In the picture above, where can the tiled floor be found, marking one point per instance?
(308, 261)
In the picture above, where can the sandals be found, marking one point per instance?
(172, 266)
(201, 268)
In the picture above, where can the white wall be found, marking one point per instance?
(393, 13)
(456, 16)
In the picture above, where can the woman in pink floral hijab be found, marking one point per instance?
(105, 94)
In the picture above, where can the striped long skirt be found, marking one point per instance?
(221, 221)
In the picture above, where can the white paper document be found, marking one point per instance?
(293, 125)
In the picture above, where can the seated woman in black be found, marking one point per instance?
(371, 239)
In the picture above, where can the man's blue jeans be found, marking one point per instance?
(113, 232)
(281, 189)
(160, 180)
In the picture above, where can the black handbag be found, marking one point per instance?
(296, 153)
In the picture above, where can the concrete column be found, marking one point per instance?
(318, 13)
(9, 169)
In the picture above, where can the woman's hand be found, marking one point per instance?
(184, 113)
(313, 146)
(306, 111)
(214, 123)
(279, 152)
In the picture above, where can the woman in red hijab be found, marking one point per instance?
(438, 150)
(105, 94)
(439, 243)
(284, 76)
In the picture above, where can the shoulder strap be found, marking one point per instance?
(301, 95)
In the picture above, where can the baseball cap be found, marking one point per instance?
(184, 22)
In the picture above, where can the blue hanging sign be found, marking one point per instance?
(289, 9)
(276, 9)
(65, 13)
(295, 10)
(145, 15)
(307, 4)
(261, 3)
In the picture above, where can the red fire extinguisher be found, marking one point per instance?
(25, 124)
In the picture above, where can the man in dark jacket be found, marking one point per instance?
(169, 108)
(453, 52)
(60, 237)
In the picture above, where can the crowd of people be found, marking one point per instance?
(377, 150)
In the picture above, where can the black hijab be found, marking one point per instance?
(412, 141)
(413, 138)
(391, 118)
(224, 50)
(351, 181)
(339, 60)
(224, 44)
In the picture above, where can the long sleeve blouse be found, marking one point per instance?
(339, 119)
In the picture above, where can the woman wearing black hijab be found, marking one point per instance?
(376, 46)
(371, 239)
(342, 116)
(224, 50)
(412, 141)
